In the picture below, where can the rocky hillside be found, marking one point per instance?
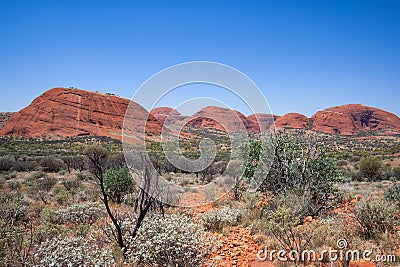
(292, 120)
(62, 112)
(222, 119)
(263, 120)
(162, 113)
(354, 118)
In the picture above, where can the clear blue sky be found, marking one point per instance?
(304, 55)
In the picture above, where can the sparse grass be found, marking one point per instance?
(69, 198)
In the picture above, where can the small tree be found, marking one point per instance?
(98, 156)
(370, 167)
(302, 171)
(147, 193)
(117, 183)
(51, 164)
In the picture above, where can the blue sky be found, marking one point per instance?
(304, 55)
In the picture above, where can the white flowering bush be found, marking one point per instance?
(12, 208)
(215, 220)
(173, 240)
(86, 213)
(71, 251)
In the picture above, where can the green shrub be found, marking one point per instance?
(216, 220)
(281, 223)
(25, 166)
(117, 183)
(72, 185)
(48, 231)
(8, 176)
(62, 196)
(46, 183)
(370, 168)
(376, 216)
(11, 239)
(72, 251)
(14, 185)
(51, 164)
(396, 172)
(6, 163)
(393, 194)
(12, 208)
(301, 169)
(173, 240)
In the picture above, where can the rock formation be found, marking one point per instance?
(62, 112)
(354, 118)
(292, 120)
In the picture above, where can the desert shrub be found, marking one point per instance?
(51, 164)
(300, 169)
(370, 168)
(25, 166)
(12, 208)
(48, 231)
(216, 220)
(51, 216)
(173, 240)
(11, 240)
(6, 163)
(30, 181)
(38, 175)
(46, 183)
(61, 196)
(86, 213)
(376, 216)
(72, 184)
(72, 251)
(118, 182)
(81, 230)
(393, 194)
(83, 177)
(14, 185)
(281, 223)
(386, 172)
(396, 172)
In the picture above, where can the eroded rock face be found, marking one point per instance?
(292, 120)
(263, 120)
(4, 117)
(62, 112)
(222, 119)
(354, 118)
(163, 113)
